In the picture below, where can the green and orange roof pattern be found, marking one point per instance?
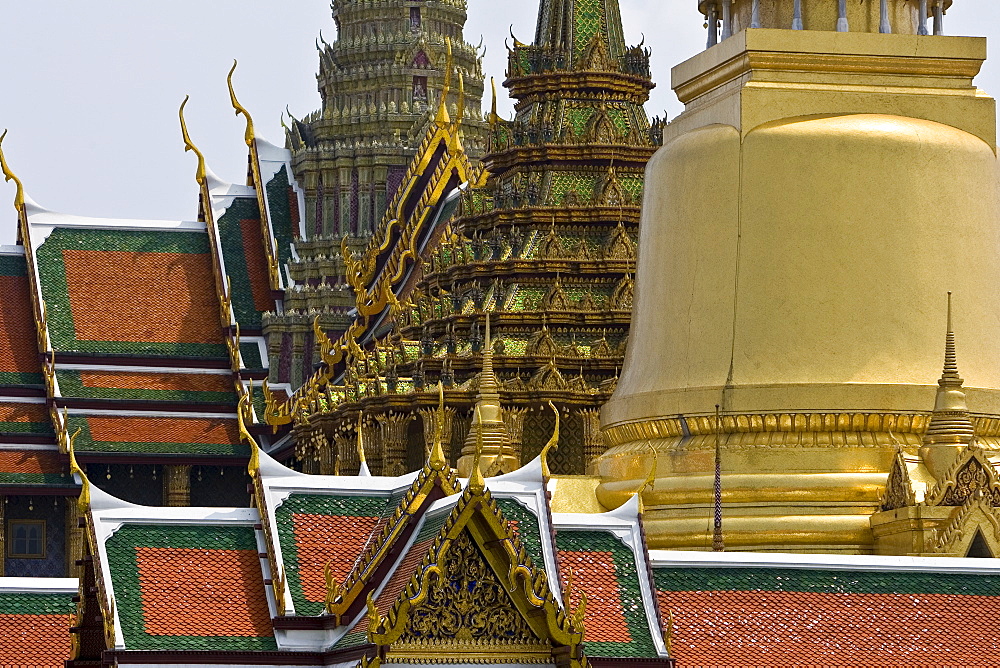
(189, 588)
(766, 616)
(104, 292)
(34, 629)
(246, 265)
(319, 529)
(25, 467)
(19, 360)
(605, 569)
(148, 386)
(158, 434)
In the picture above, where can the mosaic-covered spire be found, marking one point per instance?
(573, 26)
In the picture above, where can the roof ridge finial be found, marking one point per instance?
(476, 481)
(437, 460)
(442, 116)
(553, 444)
(362, 462)
(240, 109)
(488, 378)
(950, 423)
(200, 174)
(9, 176)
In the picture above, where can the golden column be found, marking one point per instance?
(177, 485)
(806, 215)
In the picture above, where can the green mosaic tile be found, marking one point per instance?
(563, 182)
(527, 528)
(26, 428)
(589, 19)
(824, 581)
(52, 479)
(250, 352)
(25, 603)
(71, 385)
(21, 378)
(280, 213)
(320, 504)
(122, 560)
(52, 273)
(632, 605)
(235, 259)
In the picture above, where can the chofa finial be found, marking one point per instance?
(239, 108)
(200, 173)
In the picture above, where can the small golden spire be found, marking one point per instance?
(437, 459)
(553, 444)
(950, 422)
(442, 113)
(9, 176)
(718, 544)
(200, 174)
(240, 109)
(360, 442)
(476, 482)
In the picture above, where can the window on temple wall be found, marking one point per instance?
(26, 539)
(420, 89)
(414, 17)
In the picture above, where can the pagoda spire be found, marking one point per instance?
(950, 423)
(488, 426)
(568, 26)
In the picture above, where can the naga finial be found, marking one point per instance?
(239, 108)
(437, 459)
(200, 174)
(553, 444)
(9, 176)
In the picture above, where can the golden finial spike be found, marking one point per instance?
(461, 100)
(494, 118)
(189, 146)
(442, 113)
(9, 176)
(360, 443)
(437, 460)
(553, 444)
(83, 502)
(240, 109)
(476, 481)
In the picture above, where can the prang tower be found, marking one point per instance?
(824, 189)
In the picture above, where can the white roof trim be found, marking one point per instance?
(11, 250)
(835, 562)
(39, 585)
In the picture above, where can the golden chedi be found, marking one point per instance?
(808, 211)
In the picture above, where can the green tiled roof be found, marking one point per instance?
(280, 213)
(328, 505)
(55, 290)
(527, 528)
(122, 551)
(235, 257)
(71, 385)
(631, 603)
(250, 352)
(30, 603)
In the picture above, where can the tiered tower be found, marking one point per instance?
(822, 191)
(380, 84)
(547, 246)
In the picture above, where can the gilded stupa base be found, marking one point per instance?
(790, 482)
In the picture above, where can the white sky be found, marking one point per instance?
(90, 90)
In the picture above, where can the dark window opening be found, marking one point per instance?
(420, 89)
(979, 549)
(414, 17)
(26, 539)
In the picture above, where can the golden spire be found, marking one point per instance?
(437, 459)
(476, 482)
(494, 118)
(950, 423)
(9, 176)
(442, 113)
(553, 444)
(189, 146)
(362, 462)
(240, 109)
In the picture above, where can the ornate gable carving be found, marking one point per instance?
(466, 603)
(971, 476)
(977, 516)
(899, 488)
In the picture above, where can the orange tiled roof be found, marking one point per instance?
(119, 296)
(202, 592)
(594, 574)
(328, 539)
(34, 641)
(31, 461)
(22, 412)
(18, 345)
(253, 250)
(195, 382)
(163, 429)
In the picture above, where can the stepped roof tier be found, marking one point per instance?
(381, 82)
(544, 242)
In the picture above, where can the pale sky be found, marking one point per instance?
(90, 90)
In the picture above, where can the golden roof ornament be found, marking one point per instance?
(200, 173)
(950, 428)
(239, 108)
(437, 460)
(9, 176)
